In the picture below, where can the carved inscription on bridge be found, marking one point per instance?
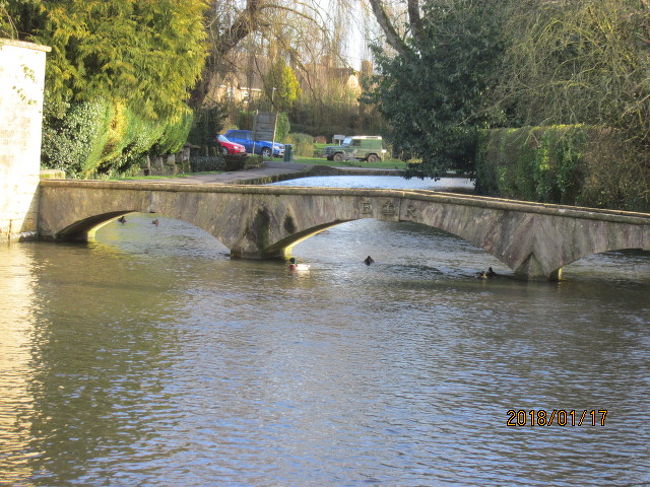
(410, 210)
(388, 208)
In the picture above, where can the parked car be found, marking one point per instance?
(361, 147)
(228, 147)
(264, 147)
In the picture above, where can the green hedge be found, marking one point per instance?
(105, 137)
(75, 142)
(566, 164)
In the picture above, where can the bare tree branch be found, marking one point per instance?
(414, 18)
(392, 37)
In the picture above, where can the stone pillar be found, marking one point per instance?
(22, 77)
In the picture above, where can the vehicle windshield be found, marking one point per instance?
(222, 138)
(347, 141)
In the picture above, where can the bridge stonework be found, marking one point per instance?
(22, 78)
(265, 222)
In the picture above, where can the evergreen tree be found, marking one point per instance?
(433, 93)
(148, 53)
(281, 86)
(139, 60)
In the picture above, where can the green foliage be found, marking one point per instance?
(104, 138)
(282, 127)
(117, 78)
(207, 124)
(148, 52)
(303, 144)
(433, 98)
(566, 164)
(335, 116)
(75, 142)
(7, 28)
(130, 138)
(174, 135)
(281, 85)
(579, 62)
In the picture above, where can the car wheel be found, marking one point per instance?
(373, 158)
(338, 157)
(266, 152)
(224, 151)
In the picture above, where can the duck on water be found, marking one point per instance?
(294, 266)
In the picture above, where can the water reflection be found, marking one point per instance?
(17, 328)
(151, 358)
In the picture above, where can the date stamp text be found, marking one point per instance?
(559, 417)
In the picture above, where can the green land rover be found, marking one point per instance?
(361, 147)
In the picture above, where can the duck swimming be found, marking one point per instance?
(155, 222)
(489, 274)
(368, 260)
(122, 219)
(293, 266)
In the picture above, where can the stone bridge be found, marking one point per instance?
(265, 222)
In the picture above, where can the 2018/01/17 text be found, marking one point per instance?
(560, 417)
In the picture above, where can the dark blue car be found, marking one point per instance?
(263, 147)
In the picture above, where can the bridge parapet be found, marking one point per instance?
(533, 239)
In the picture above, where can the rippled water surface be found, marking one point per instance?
(150, 358)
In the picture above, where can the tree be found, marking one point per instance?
(281, 86)
(433, 92)
(580, 62)
(117, 79)
(7, 28)
(148, 52)
(229, 23)
(390, 24)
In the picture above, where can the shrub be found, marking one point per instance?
(174, 136)
(107, 138)
(206, 124)
(74, 143)
(282, 127)
(303, 144)
(207, 163)
(566, 164)
(130, 137)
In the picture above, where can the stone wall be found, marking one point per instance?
(22, 75)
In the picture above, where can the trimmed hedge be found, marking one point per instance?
(565, 164)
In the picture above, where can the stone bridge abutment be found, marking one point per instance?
(264, 222)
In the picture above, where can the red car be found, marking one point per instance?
(228, 147)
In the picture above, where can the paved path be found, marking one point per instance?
(273, 171)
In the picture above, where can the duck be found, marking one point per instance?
(122, 219)
(489, 274)
(155, 222)
(293, 266)
(368, 260)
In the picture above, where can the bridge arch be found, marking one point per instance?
(261, 222)
(80, 229)
(598, 252)
(286, 245)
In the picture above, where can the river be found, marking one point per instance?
(150, 358)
